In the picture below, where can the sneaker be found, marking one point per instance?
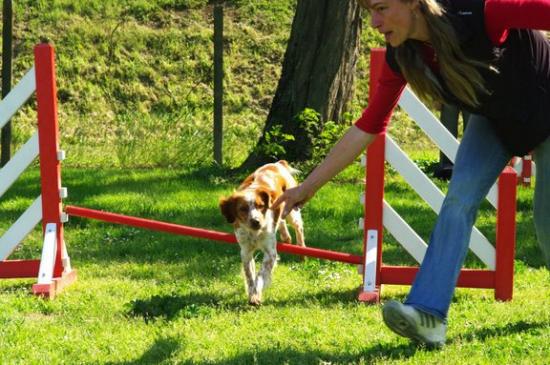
(419, 326)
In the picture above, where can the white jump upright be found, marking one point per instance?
(53, 271)
(499, 259)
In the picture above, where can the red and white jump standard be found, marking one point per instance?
(53, 271)
(378, 213)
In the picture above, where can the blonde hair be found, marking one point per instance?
(460, 74)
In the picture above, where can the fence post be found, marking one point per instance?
(7, 26)
(218, 83)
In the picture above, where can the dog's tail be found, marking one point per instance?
(292, 170)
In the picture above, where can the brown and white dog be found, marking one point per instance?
(256, 224)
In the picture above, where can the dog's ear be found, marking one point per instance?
(229, 209)
(269, 197)
(266, 196)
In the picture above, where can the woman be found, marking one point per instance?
(484, 57)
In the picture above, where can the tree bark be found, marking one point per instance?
(318, 73)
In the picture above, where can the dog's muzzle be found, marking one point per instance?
(255, 224)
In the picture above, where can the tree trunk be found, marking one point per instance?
(318, 73)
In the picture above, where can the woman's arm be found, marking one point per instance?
(501, 15)
(342, 154)
(375, 119)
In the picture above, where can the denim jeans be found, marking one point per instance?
(480, 159)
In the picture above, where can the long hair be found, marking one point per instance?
(460, 73)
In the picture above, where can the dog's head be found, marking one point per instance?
(249, 209)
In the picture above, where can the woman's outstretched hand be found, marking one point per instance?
(293, 198)
(350, 146)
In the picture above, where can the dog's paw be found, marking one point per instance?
(255, 300)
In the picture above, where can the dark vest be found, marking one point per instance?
(518, 106)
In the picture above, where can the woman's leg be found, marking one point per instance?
(541, 204)
(480, 159)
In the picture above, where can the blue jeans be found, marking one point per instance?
(480, 159)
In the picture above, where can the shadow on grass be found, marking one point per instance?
(162, 350)
(200, 304)
(376, 353)
(85, 184)
(174, 305)
(16, 286)
(499, 331)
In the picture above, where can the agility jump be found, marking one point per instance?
(54, 271)
(378, 213)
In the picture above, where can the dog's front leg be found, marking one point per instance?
(247, 258)
(268, 265)
(283, 231)
(295, 220)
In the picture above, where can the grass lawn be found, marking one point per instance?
(151, 298)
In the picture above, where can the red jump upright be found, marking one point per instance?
(374, 197)
(50, 167)
(375, 273)
(53, 271)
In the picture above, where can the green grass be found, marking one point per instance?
(152, 298)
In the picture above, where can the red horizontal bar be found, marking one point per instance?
(149, 224)
(469, 278)
(12, 269)
(203, 233)
(320, 253)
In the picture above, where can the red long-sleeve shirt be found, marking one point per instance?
(500, 15)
